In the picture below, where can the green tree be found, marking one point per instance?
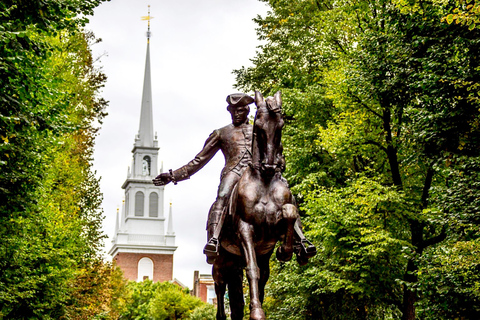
(392, 91)
(160, 300)
(466, 12)
(205, 312)
(50, 217)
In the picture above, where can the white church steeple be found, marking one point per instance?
(140, 234)
(145, 136)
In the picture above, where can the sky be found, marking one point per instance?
(195, 46)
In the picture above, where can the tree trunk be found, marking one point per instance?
(409, 296)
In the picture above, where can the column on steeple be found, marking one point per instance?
(122, 215)
(170, 236)
(116, 224)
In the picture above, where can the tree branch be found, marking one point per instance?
(358, 100)
(375, 143)
(434, 240)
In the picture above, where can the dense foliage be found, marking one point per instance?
(50, 218)
(382, 143)
(163, 301)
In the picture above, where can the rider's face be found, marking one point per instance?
(239, 114)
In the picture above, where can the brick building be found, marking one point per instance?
(204, 287)
(140, 246)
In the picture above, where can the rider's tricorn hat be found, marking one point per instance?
(239, 99)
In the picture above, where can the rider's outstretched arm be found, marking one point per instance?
(211, 147)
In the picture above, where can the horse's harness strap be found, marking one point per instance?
(255, 166)
(276, 110)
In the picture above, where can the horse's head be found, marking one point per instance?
(267, 146)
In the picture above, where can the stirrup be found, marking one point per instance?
(211, 248)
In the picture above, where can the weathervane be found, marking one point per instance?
(148, 18)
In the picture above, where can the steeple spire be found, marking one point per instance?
(145, 136)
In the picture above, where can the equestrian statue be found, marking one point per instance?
(254, 208)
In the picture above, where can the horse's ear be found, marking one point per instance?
(278, 98)
(259, 101)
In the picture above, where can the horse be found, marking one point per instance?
(261, 212)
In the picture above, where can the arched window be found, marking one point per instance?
(146, 166)
(145, 269)
(153, 205)
(139, 204)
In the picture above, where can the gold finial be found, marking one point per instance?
(148, 18)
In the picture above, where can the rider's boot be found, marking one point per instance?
(211, 248)
(308, 248)
(304, 248)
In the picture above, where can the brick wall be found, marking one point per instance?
(201, 282)
(162, 265)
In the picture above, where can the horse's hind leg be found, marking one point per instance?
(252, 270)
(220, 287)
(290, 215)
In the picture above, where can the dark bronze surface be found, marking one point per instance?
(262, 211)
(254, 208)
(234, 140)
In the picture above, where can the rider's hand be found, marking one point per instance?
(162, 179)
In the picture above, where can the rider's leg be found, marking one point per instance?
(216, 214)
(211, 248)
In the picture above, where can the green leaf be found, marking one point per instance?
(450, 18)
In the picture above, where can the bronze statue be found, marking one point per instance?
(254, 208)
(261, 212)
(234, 140)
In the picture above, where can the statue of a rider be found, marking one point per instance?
(234, 140)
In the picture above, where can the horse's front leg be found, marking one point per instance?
(290, 215)
(235, 293)
(264, 265)
(253, 272)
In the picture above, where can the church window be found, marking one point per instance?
(145, 269)
(153, 207)
(139, 203)
(146, 166)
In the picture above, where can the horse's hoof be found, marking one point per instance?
(302, 260)
(257, 314)
(282, 255)
(221, 316)
(308, 249)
